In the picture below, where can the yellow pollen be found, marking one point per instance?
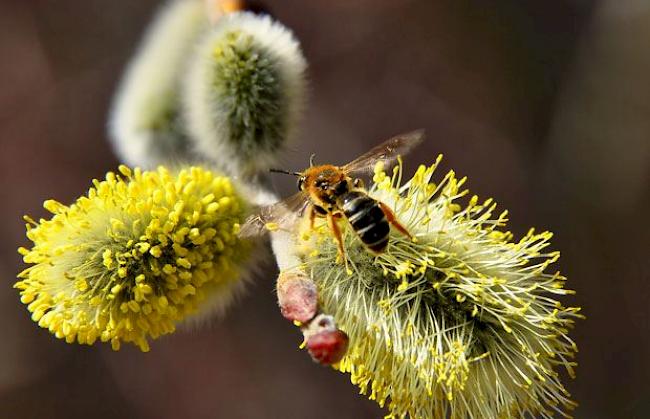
(133, 257)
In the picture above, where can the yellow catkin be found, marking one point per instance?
(133, 257)
(459, 323)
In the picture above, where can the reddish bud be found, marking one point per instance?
(297, 297)
(328, 347)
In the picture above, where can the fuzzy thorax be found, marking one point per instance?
(459, 322)
(135, 256)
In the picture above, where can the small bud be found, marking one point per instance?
(328, 347)
(325, 342)
(297, 296)
(215, 9)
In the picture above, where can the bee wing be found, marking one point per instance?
(284, 213)
(386, 152)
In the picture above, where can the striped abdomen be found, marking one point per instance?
(367, 219)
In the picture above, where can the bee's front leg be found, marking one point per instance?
(331, 222)
(312, 216)
(316, 211)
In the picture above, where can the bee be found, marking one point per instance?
(334, 192)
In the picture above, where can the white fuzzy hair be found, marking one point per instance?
(207, 122)
(151, 80)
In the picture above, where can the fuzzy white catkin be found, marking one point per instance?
(244, 92)
(144, 124)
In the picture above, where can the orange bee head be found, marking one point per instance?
(324, 184)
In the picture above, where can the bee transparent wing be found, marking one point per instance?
(387, 152)
(284, 214)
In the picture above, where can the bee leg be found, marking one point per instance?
(390, 216)
(312, 216)
(331, 222)
(316, 211)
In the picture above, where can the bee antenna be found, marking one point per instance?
(286, 172)
(311, 160)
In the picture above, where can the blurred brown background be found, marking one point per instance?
(544, 105)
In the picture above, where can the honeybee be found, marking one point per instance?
(335, 192)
